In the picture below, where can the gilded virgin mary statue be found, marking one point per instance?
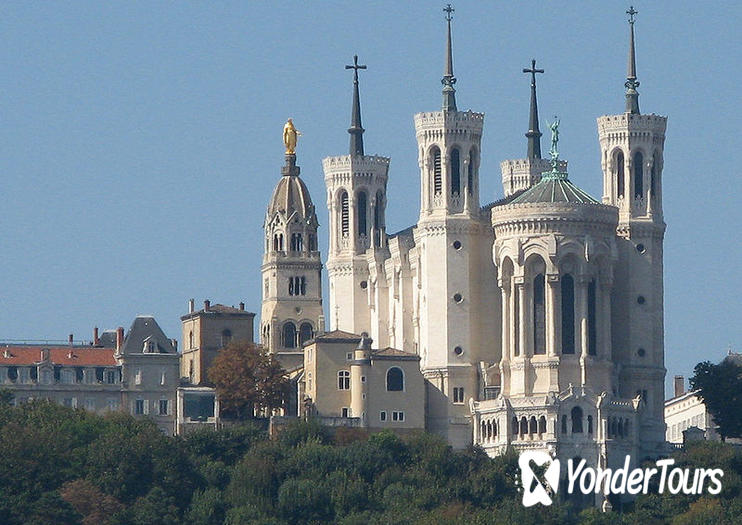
(290, 134)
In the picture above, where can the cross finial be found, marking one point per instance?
(631, 12)
(448, 10)
(533, 71)
(355, 67)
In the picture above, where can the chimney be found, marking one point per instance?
(119, 338)
(96, 339)
(679, 383)
(242, 307)
(207, 304)
(191, 306)
(70, 338)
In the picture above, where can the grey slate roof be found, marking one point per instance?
(143, 328)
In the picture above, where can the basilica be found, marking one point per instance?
(536, 320)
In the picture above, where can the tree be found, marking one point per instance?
(248, 379)
(720, 388)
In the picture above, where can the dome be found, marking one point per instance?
(291, 195)
(553, 187)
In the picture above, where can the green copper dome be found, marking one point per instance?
(555, 187)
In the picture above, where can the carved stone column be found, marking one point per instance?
(552, 307)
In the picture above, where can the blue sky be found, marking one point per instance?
(140, 141)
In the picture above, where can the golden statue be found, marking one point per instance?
(289, 137)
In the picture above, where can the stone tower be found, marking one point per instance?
(291, 312)
(453, 241)
(356, 201)
(632, 156)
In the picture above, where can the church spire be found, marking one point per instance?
(448, 80)
(356, 129)
(534, 134)
(632, 96)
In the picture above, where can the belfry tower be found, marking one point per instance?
(356, 202)
(291, 313)
(632, 147)
(455, 294)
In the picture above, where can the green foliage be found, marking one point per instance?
(720, 387)
(64, 466)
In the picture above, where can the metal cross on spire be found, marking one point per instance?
(356, 67)
(632, 95)
(448, 10)
(356, 129)
(448, 80)
(534, 134)
(631, 12)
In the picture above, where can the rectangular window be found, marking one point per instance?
(112, 403)
(349, 356)
(163, 378)
(398, 416)
(138, 377)
(110, 377)
(67, 401)
(139, 407)
(163, 408)
(343, 380)
(345, 411)
(90, 405)
(382, 415)
(458, 394)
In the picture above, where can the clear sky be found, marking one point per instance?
(140, 141)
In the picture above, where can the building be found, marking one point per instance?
(537, 319)
(136, 371)
(686, 410)
(208, 330)
(345, 382)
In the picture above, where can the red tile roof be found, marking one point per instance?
(23, 355)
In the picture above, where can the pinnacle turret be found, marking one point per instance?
(448, 80)
(632, 95)
(534, 134)
(356, 129)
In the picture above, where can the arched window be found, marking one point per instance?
(576, 420)
(361, 210)
(190, 339)
(523, 426)
(542, 425)
(533, 425)
(275, 243)
(305, 333)
(620, 174)
(437, 176)
(592, 326)
(470, 173)
(303, 285)
(343, 380)
(455, 172)
(312, 243)
(289, 335)
(291, 286)
(589, 424)
(564, 424)
(568, 314)
(297, 243)
(378, 211)
(638, 174)
(344, 214)
(653, 175)
(494, 428)
(514, 422)
(620, 427)
(394, 380)
(516, 324)
(226, 337)
(539, 316)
